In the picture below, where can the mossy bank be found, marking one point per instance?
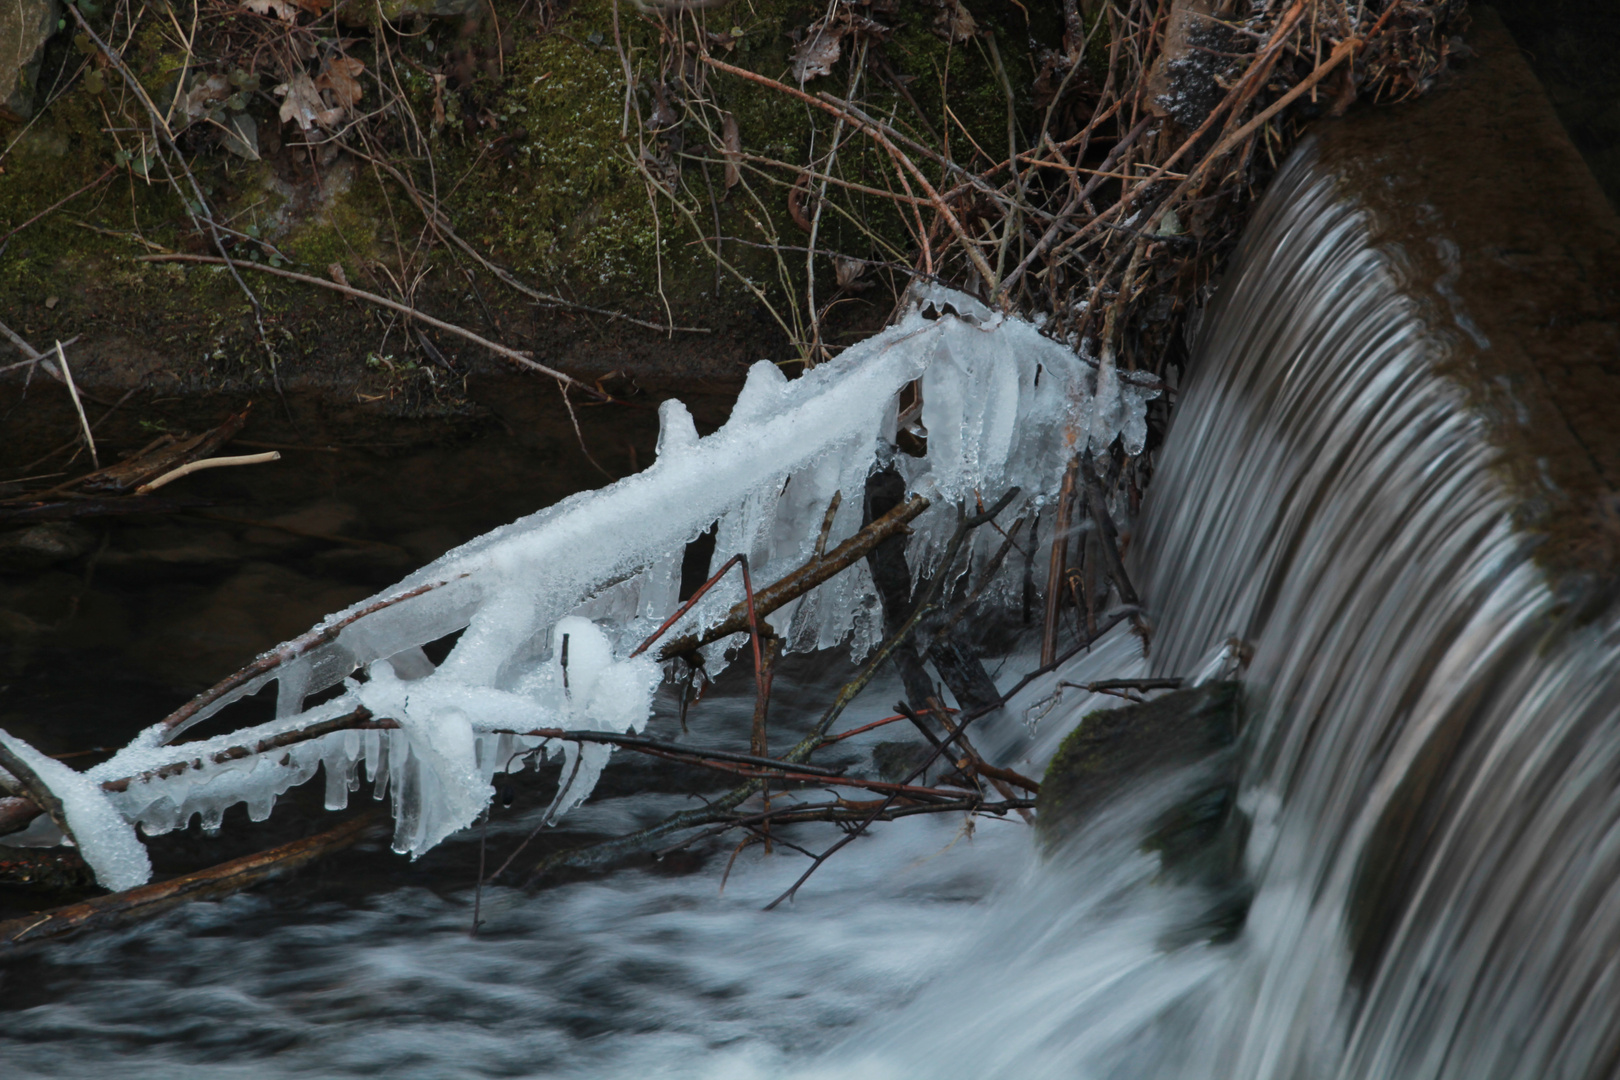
(515, 121)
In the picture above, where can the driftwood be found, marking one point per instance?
(26, 512)
(210, 884)
(159, 457)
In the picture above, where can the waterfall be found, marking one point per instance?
(1432, 743)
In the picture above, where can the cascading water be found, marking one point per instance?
(1431, 753)
(1429, 777)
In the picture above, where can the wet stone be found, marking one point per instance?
(897, 760)
(1200, 836)
(25, 26)
(42, 545)
(1114, 751)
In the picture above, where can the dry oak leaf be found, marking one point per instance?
(303, 104)
(955, 23)
(848, 270)
(204, 94)
(285, 10)
(818, 52)
(341, 77)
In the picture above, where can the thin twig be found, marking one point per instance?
(207, 463)
(78, 406)
(394, 305)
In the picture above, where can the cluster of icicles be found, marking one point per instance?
(1002, 406)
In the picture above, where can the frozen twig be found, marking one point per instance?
(215, 882)
(799, 582)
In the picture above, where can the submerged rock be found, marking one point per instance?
(1200, 837)
(1117, 749)
(42, 545)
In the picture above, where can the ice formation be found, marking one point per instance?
(1002, 406)
(106, 842)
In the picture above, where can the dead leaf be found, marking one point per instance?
(955, 22)
(817, 53)
(797, 196)
(664, 114)
(303, 104)
(659, 162)
(285, 10)
(438, 101)
(847, 269)
(341, 77)
(731, 148)
(204, 94)
(242, 136)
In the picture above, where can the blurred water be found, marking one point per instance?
(1432, 755)
(639, 972)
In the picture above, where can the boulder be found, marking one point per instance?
(1200, 836)
(25, 25)
(42, 545)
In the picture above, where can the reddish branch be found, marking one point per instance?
(818, 570)
(291, 650)
(221, 880)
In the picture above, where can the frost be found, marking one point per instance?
(551, 606)
(105, 839)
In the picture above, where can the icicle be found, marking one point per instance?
(1002, 406)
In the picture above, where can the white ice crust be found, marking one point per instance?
(105, 840)
(1002, 406)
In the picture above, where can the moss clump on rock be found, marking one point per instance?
(565, 201)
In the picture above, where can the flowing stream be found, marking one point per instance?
(1429, 777)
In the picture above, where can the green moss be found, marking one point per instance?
(532, 168)
(347, 230)
(566, 202)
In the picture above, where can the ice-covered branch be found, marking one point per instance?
(545, 612)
